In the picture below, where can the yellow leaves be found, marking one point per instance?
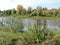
(19, 7)
(52, 10)
(44, 12)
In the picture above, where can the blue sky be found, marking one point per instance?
(10, 4)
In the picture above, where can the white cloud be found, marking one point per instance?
(9, 4)
(6, 4)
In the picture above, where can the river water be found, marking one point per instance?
(50, 24)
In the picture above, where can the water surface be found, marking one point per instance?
(27, 22)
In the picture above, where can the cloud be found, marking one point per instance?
(6, 4)
(9, 4)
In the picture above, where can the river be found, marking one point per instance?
(50, 24)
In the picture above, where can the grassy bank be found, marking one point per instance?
(29, 38)
(34, 17)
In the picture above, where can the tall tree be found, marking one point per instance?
(34, 12)
(19, 9)
(39, 8)
(13, 11)
(58, 12)
(29, 10)
(1, 14)
(7, 12)
(44, 12)
(0, 11)
(23, 11)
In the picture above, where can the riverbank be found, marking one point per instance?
(29, 38)
(34, 17)
(12, 35)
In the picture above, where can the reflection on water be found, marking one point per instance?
(50, 24)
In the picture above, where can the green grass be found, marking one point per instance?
(55, 40)
(34, 17)
(57, 32)
(28, 38)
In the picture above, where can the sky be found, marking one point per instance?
(10, 4)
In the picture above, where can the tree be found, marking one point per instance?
(58, 10)
(48, 13)
(13, 11)
(45, 8)
(6, 12)
(44, 12)
(55, 13)
(1, 13)
(29, 10)
(34, 12)
(19, 9)
(23, 11)
(52, 12)
(39, 10)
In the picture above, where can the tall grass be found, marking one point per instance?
(11, 36)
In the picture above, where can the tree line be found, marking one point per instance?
(38, 11)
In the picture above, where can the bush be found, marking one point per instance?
(29, 37)
(1, 14)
